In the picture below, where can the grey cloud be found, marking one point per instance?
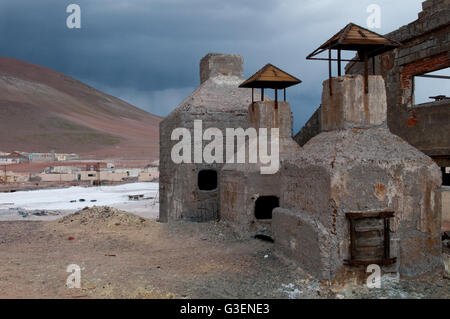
(148, 52)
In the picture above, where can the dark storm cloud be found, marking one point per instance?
(147, 52)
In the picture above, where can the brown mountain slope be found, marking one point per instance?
(43, 110)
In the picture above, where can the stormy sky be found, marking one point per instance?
(147, 52)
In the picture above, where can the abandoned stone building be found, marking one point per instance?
(425, 49)
(191, 190)
(360, 183)
(356, 194)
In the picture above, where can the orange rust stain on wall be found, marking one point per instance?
(380, 191)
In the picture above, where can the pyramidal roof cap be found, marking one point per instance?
(355, 38)
(270, 77)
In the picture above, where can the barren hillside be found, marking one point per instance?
(43, 110)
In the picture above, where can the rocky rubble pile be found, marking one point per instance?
(103, 215)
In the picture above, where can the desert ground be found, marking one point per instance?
(123, 255)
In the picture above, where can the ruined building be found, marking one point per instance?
(357, 194)
(425, 48)
(191, 190)
(360, 190)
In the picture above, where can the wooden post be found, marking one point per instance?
(373, 65)
(253, 95)
(276, 98)
(284, 94)
(366, 72)
(339, 63)
(329, 71)
(262, 94)
(387, 239)
(352, 240)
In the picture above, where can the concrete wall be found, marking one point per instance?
(243, 184)
(355, 109)
(302, 238)
(83, 176)
(68, 177)
(238, 194)
(111, 176)
(148, 177)
(310, 129)
(11, 177)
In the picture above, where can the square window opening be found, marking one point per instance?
(445, 176)
(207, 180)
(431, 87)
(264, 206)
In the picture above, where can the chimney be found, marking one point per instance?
(215, 64)
(349, 107)
(264, 114)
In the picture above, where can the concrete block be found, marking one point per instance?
(350, 107)
(265, 114)
(214, 64)
(303, 240)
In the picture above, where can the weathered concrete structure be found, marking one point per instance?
(355, 194)
(357, 169)
(444, 202)
(247, 196)
(425, 48)
(191, 191)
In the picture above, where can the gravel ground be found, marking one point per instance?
(122, 255)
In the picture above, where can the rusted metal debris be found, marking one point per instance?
(440, 97)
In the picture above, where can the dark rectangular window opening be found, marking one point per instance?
(431, 87)
(264, 206)
(207, 180)
(445, 176)
(370, 238)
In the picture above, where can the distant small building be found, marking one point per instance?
(51, 157)
(13, 158)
